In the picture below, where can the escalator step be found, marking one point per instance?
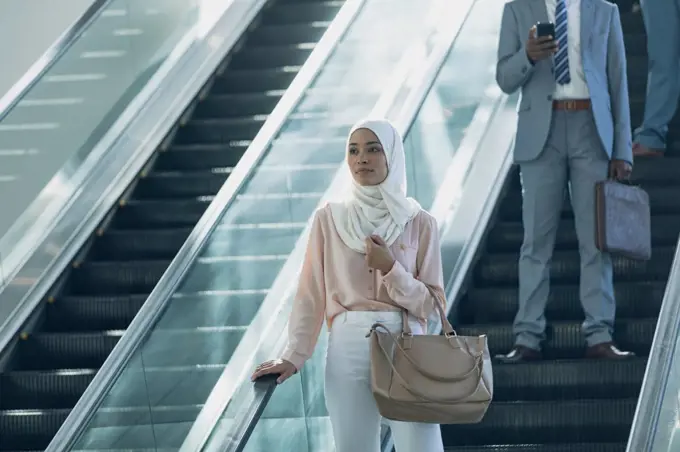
(237, 105)
(547, 422)
(184, 386)
(508, 236)
(46, 351)
(583, 447)
(270, 57)
(121, 244)
(160, 214)
(49, 351)
(254, 81)
(633, 300)
(180, 185)
(301, 12)
(91, 313)
(115, 278)
(287, 34)
(564, 338)
(43, 390)
(34, 429)
(200, 157)
(563, 380)
(199, 131)
(501, 269)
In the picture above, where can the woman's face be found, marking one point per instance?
(366, 158)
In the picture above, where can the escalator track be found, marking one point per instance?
(566, 403)
(86, 313)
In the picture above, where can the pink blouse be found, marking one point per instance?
(335, 279)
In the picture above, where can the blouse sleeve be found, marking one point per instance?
(309, 306)
(409, 291)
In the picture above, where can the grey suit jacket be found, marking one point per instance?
(604, 63)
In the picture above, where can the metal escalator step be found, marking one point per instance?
(564, 380)
(200, 157)
(129, 277)
(662, 200)
(254, 81)
(300, 13)
(176, 386)
(288, 34)
(547, 422)
(91, 313)
(574, 447)
(271, 57)
(565, 340)
(237, 105)
(502, 269)
(43, 390)
(178, 185)
(145, 244)
(499, 304)
(219, 130)
(29, 430)
(50, 351)
(34, 429)
(160, 214)
(508, 236)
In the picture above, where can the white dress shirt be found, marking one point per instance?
(577, 88)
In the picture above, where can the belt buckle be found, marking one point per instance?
(570, 105)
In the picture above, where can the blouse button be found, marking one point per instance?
(370, 270)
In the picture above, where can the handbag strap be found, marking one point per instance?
(419, 394)
(439, 302)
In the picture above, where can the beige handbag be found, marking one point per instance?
(439, 379)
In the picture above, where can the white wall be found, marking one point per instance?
(27, 29)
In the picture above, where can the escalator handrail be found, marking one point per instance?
(160, 297)
(237, 437)
(662, 357)
(49, 57)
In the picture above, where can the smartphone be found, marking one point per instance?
(545, 29)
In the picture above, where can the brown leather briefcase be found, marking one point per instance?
(622, 220)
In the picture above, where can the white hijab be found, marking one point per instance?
(383, 209)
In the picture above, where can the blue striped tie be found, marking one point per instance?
(561, 57)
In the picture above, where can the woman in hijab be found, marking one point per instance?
(366, 261)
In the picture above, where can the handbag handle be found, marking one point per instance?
(439, 302)
(414, 391)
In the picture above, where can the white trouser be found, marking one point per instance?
(353, 412)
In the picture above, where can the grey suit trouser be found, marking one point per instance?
(573, 158)
(662, 24)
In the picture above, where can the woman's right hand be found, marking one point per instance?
(285, 370)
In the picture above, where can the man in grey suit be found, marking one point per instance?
(573, 130)
(662, 24)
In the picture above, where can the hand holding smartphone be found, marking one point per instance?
(541, 43)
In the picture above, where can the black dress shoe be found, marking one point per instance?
(607, 350)
(520, 354)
